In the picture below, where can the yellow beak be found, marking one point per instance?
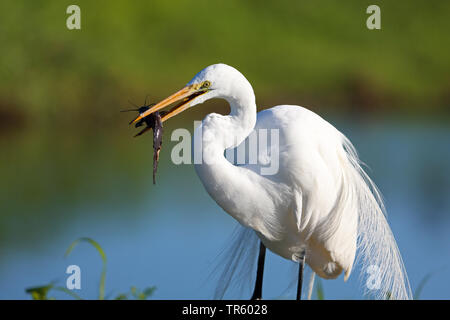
(186, 95)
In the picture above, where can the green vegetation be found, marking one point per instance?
(101, 294)
(320, 295)
(292, 52)
(421, 285)
(42, 292)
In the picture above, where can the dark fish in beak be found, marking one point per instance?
(153, 121)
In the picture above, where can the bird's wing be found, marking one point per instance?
(309, 164)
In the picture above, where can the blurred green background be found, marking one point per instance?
(291, 51)
(67, 153)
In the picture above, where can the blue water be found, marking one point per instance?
(170, 235)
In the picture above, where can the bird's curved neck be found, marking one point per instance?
(223, 180)
(224, 132)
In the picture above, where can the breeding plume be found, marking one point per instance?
(319, 208)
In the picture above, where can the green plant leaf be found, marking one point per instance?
(141, 295)
(69, 292)
(121, 296)
(319, 290)
(101, 295)
(149, 291)
(134, 291)
(39, 293)
(422, 283)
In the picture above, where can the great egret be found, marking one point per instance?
(318, 208)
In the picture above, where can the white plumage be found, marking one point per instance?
(319, 202)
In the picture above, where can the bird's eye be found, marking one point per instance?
(206, 84)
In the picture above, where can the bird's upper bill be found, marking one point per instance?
(185, 96)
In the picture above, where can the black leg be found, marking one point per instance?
(301, 265)
(257, 293)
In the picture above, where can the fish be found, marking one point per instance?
(153, 122)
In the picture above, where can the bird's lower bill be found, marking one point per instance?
(183, 97)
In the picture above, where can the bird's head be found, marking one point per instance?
(215, 81)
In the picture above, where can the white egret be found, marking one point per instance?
(318, 209)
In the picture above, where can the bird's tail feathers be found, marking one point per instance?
(236, 264)
(378, 253)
